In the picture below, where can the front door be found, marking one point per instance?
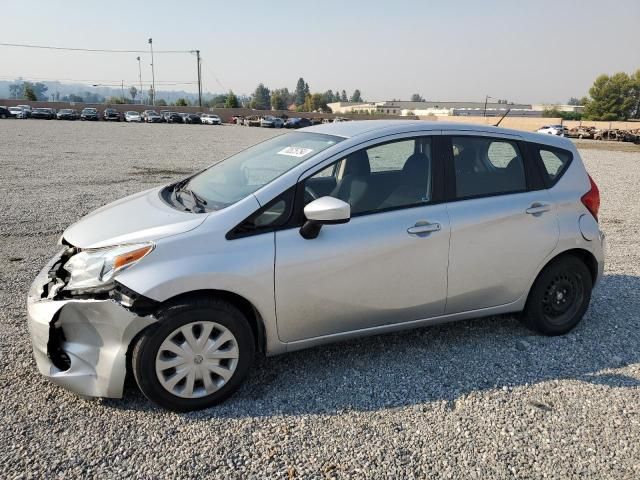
(387, 265)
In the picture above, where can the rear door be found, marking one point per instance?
(503, 223)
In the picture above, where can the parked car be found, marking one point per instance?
(42, 113)
(211, 119)
(17, 112)
(163, 114)
(90, 113)
(151, 116)
(174, 117)
(132, 116)
(271, 122)
(4, 112)
(27, 109)
(189, 277)
(251, 121)
(297, 123)
(111, 115)
(554, 130)
(67, 114)
(192, 118)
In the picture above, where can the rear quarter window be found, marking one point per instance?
(554, 162)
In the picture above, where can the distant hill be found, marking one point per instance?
(56, 90)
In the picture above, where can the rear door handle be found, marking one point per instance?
(423, 227)
(538, 208)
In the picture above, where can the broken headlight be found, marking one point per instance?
(94, 269)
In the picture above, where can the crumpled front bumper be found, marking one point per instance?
(93, 335)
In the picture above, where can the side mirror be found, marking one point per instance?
(324, 211)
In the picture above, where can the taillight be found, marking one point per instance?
(591, 199)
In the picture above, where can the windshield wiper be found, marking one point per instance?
(198, 201)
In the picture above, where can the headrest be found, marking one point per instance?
(358, 164)
(416, 165)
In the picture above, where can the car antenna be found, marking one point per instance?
(502, 118)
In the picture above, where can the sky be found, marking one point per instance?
(523, 51)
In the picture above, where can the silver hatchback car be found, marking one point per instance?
(323, 234)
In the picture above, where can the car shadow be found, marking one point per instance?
(438, 363)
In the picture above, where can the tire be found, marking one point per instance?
(195, 316)
(559, 297)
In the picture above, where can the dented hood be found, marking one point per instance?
(139, 217)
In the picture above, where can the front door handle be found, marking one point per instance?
(423, 227)
(538, 208)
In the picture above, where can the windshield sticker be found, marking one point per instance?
(295, 151)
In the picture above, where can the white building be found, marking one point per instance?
(438, 109)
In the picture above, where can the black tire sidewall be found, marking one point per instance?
(173, 317)
(534, 316)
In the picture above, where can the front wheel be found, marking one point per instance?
(559, 297)
(196, 356)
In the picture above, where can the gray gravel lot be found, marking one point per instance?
(476, 399)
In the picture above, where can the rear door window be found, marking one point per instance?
(486, 166)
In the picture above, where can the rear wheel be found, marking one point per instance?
(559, 297)
(196, 356)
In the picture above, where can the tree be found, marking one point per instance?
(343, 97)
(416, 97)
(261, 98)
(328, 96)
(613, 98)
(573, 101)
(356, 96)
(182, 102)
(16, 89)
(29, 94)
(40, 90)
(110, 100)
(299, 94)
(161, 102)
(217, 101)
(555, 113)
(280, 99)
(315, 102)
(232, 100)
(133, 91)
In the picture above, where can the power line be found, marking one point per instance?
(94, 50)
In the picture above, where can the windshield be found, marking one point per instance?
(242, 174)
(64, 110)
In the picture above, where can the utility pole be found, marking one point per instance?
(153, 75)
(485, 104)
(199, 78)
(122, 87)
(140, 78)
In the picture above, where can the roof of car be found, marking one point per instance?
(371, 128)
(358, 127)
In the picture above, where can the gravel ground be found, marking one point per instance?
(476, 399)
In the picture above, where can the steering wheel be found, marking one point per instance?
(309, 194)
